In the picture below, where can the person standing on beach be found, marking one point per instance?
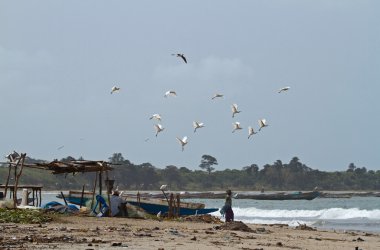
(228, 207)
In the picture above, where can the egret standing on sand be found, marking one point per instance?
(170, 93)
(114, 89)
(262, 124)
(197, 125)
(283, 89)
(234, 109)
(159, 128)
(181, 56)
(236, 126)
(183, 141)
(251, 132)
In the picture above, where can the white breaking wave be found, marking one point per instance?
(325, 214)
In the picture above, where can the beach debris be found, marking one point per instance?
(142, 234)
(194, 238)
(235, 226)
(304, 227)
(358, 239)
(208, 218)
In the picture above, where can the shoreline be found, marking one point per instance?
(83, 232)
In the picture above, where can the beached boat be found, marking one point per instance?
(154, 206)
(184, 195)
(280, 196)
(75, 197)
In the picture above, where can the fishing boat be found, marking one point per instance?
(75, 197)
(279, 196)
(155, 206)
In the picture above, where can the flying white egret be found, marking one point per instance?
(183, 141)
(181, 56)
(251, 132)
(216, 96)
(114, 89)
(236, 126)
(156, 116)
(159, 128)
(197, 125)
(170, 93)
(234, 109)
(262, 124)
(283, 89)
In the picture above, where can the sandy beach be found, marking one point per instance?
(83, 232)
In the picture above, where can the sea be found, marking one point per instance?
(340, 214)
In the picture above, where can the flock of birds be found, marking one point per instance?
(196, 124)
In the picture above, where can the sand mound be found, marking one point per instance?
(203, 218)
(235, 226)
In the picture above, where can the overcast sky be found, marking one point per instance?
(60, 59)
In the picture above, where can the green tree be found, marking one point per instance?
(116, 158)
(207, 163)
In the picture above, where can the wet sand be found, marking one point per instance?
(82, 232)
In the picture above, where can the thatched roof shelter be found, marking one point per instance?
(66, 167)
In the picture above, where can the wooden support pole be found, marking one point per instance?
(64, 199)
(40, 201)
(170, 211)
(7, 182)
(17, 178)
(81, 197)
(108, 196)
(100, 188)
(33, 191)
(178, 204)
(94, 190)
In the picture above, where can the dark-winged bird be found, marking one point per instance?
(182, 56)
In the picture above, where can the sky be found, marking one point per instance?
(60, 59)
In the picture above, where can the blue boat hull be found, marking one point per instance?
(75, 200)
(156, 208)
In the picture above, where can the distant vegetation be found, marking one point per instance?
(277, 176)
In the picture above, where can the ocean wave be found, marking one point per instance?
(324, 214)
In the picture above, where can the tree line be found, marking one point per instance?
(277, 176)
